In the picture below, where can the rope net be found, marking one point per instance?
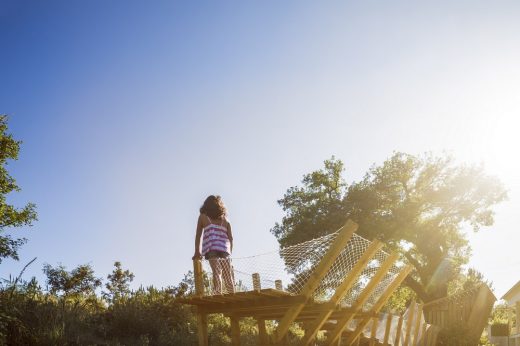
(290, 268)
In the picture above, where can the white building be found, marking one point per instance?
(512, 297)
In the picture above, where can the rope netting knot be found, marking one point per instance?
(290, 268)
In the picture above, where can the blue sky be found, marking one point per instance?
(131, 113)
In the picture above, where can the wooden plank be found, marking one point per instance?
(342, 290)
(309, 310)
(388, 326)
(398, 332)
(363, 297)
(259, 303)
(235, 331)
(381, 301)
(417, 325)
(313, 282)
(411, 313)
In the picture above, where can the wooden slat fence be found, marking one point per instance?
(469, 309)
(398, 330)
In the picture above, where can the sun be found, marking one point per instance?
(497, 145)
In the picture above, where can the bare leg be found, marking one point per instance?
(216, 268)
(228, 275)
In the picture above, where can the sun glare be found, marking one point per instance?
(496, 145)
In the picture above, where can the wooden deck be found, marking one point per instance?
(332, 315)
(268, 304)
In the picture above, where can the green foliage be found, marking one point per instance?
(69, 312)
(118, 285)
(502, 313)
(400, 300)
(76, 283)
(417, 205)
(455, 335)
(10, 216)
(152, 314)
(466, 281)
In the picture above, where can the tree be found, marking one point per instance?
(118, 284)
(10, 216)
(79, 282)
(419, 206)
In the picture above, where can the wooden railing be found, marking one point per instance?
(469, 309)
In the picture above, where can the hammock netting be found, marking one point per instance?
(290, 268)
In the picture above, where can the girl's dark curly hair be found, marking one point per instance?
(213, 207)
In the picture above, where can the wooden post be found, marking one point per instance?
(278, 285)
(198, 275)
(375, 322)
(417, 325)
(389, 318)
(411, 313)
(363, 297)
(202, 318)
(397, 340)
(262, 332)
(235, 331)
(256, 281)
(341, 290)
(314, 280)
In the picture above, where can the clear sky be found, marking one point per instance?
(131, 113)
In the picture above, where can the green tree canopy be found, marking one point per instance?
(118, 285)
(419, 205)
(79, 282)
(10, 216)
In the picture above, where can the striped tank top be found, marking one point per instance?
(215, 238)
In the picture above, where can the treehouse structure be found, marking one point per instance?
(335, 285)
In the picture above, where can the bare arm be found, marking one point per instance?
(198, 235)
(230, 235)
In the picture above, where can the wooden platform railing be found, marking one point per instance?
(469, 309)
(332, 315)
(393, 329)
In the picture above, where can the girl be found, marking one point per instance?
(217, 242)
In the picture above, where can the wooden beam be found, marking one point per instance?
(345, 234)
(363, 297)
(381, 301)
(342, 290)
